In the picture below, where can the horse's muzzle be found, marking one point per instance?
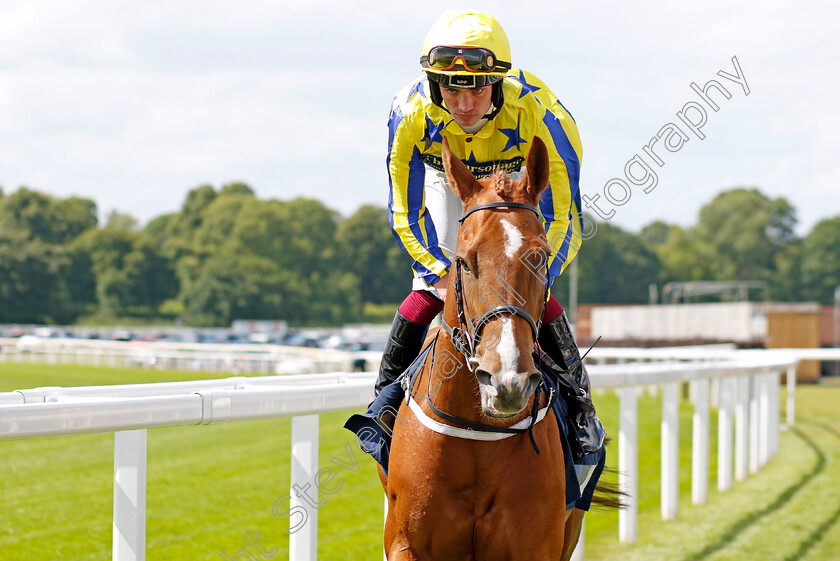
(506, 394)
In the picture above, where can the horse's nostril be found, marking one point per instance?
(483, 377)
(534, 379)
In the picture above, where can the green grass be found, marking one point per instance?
(789, 511)
(209, 485)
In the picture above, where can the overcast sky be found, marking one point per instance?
(133, 104)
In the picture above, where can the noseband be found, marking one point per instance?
(463, 336)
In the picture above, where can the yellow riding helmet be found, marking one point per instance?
(468, 44)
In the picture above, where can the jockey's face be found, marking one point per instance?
(467, 105)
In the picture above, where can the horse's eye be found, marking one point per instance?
(464, 264)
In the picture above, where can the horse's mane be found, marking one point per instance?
(504, 185)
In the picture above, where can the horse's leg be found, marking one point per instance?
(389, 533)
(571, 532)
(396, 544)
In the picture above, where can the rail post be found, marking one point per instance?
(742, 428)
(303, 543)
(129, 528)
(755, 422)
(670, 450)
(765, 419)
(700, 443)
(775, 383)
(628, 464)
(725, 444)
(790, 414)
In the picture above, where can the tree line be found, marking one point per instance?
(229, 255)
(741, 234)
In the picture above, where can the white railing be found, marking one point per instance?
(748, 386)
(206, 357)
(129, 410)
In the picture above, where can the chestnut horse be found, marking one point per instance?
(451, 497)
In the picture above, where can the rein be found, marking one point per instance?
(463, 338)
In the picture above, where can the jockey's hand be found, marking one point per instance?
(440, 286)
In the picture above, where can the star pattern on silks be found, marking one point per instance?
(526, 87)
(513, 138)
(472, 159)
(433, 133)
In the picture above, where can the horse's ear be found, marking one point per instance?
(536, 168)
(459, 176)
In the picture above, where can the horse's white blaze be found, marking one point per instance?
(508, 353)
(513, 239)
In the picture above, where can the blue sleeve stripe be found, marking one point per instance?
(567, 152)
(422, 227)
(547, 206)
(564, 148)
(567, 111)
(562, 254)
(416, 176)
(394, 121)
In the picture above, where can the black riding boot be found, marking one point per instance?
(403, 346)
(557, 341)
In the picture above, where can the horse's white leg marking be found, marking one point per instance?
(508, 353)
(513, 239)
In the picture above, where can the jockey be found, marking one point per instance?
(490, 113)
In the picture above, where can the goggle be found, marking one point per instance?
(473, 59)
(474, 80)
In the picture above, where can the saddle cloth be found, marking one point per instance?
(373, 435)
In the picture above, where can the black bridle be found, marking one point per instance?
(463, 336)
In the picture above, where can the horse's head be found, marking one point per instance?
(500, 261)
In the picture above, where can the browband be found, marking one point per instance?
(532, 208)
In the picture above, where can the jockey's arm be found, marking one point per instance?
(413, 229)
(441, 285)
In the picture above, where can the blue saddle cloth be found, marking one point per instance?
(374, 437)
